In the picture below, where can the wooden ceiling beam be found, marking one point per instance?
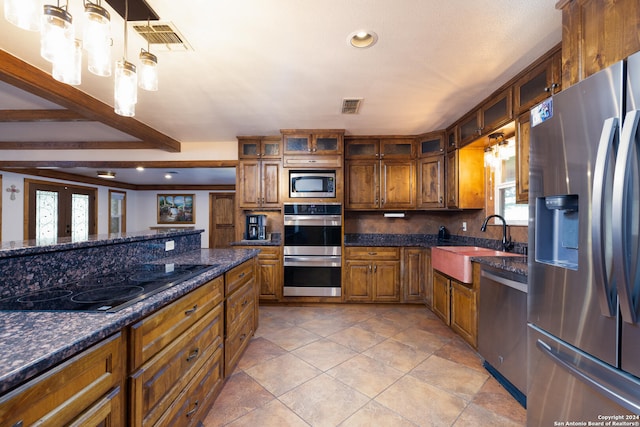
(75, 145)
(118, 164)
(31, 79)
(60, 115)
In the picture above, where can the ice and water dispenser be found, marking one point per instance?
(557, 230)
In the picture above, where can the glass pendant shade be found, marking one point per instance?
(57, 33)
(25, 14)
(126, 88)
(97, 39)
(148, 71)
(67, 68)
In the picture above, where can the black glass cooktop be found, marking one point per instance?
(108, 292)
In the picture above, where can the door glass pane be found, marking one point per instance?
(79, 217)
(46, 216)
(117, 212)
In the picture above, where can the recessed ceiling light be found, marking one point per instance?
(140, 168)
(362, 39)
(170, 174)
(106, 174)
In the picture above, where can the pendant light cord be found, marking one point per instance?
(126, 18)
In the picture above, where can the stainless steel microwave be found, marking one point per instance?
(312, 183)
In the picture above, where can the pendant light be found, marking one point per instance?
(97, 38)
(68, 66)
(25, 14)
(148, 67)
(57, 36)
(125, 91)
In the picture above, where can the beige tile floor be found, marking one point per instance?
(360, 365)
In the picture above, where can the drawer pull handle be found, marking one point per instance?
(193, 411)
(19, 424)
(245, 302)
(373, 253)
(241, 275)
(191, 311)
(193, 355)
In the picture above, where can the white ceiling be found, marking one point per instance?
(258, 66)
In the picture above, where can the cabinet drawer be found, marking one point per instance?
(191, 405)
(154, 332)
(72, 388)
(238, 305)
(156, 385)
(237, 342)
(371, 252)
(269, 253)
(108, 411)
(238, 276)
(313, 161)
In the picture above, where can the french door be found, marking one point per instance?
(59, 210)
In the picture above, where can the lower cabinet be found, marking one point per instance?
(169, 348)
(240, 312)
(85, 390)
(372, 274)
(456, 304)
(414, 267)
(269, 274)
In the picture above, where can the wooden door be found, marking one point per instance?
(222, 227)
(59, 210)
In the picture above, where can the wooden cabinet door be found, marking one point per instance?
(362, 148)
(431, 144)
(398, 184)
(441, 297)
(248, 147)
(497, 112)
(249, 186)
(431, 182)
(523, 129)
(269, 272)
(464, 315)
(452, 138)
(541, 82)
(469, 128)
(297, 143)
(357, 286)
(413, 280)
(270, 184)
(362, 184)
(428, 277)
(327, 143)
(452, 179)
(397, 148)
(386, 281)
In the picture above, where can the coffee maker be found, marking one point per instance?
(256, 227)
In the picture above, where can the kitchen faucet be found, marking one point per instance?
(506, 243)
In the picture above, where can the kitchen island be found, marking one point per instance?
(35, 344)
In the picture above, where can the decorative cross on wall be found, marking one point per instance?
(13, 190)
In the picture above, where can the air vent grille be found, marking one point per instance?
(351, 105)
(162, 34)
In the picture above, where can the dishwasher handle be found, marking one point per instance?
(522, 287)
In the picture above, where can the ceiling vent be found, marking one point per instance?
(351, 105)
(162, 35)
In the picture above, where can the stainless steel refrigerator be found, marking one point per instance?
(584, 252)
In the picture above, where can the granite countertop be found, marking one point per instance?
(271, 242)
(514, 264)
(32, 247)
(33, 341)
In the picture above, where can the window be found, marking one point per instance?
(117, 211)
(500, 167)
(59, 210)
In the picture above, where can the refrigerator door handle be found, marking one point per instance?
(621, 209)
(607, 148)
(617, 387)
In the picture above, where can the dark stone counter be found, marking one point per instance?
(31, 342)
(513, 264)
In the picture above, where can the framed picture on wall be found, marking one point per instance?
(176, 209)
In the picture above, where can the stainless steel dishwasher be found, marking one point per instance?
(502, 328)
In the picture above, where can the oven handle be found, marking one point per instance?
(312, 261)
(312, 220)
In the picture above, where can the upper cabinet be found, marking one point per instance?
(430, 169)
(380, 173)
(596, 34)
(259, 147)
(311, 148)
(539, 83)
(488, 117)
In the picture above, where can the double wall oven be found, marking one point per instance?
(312, 249)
